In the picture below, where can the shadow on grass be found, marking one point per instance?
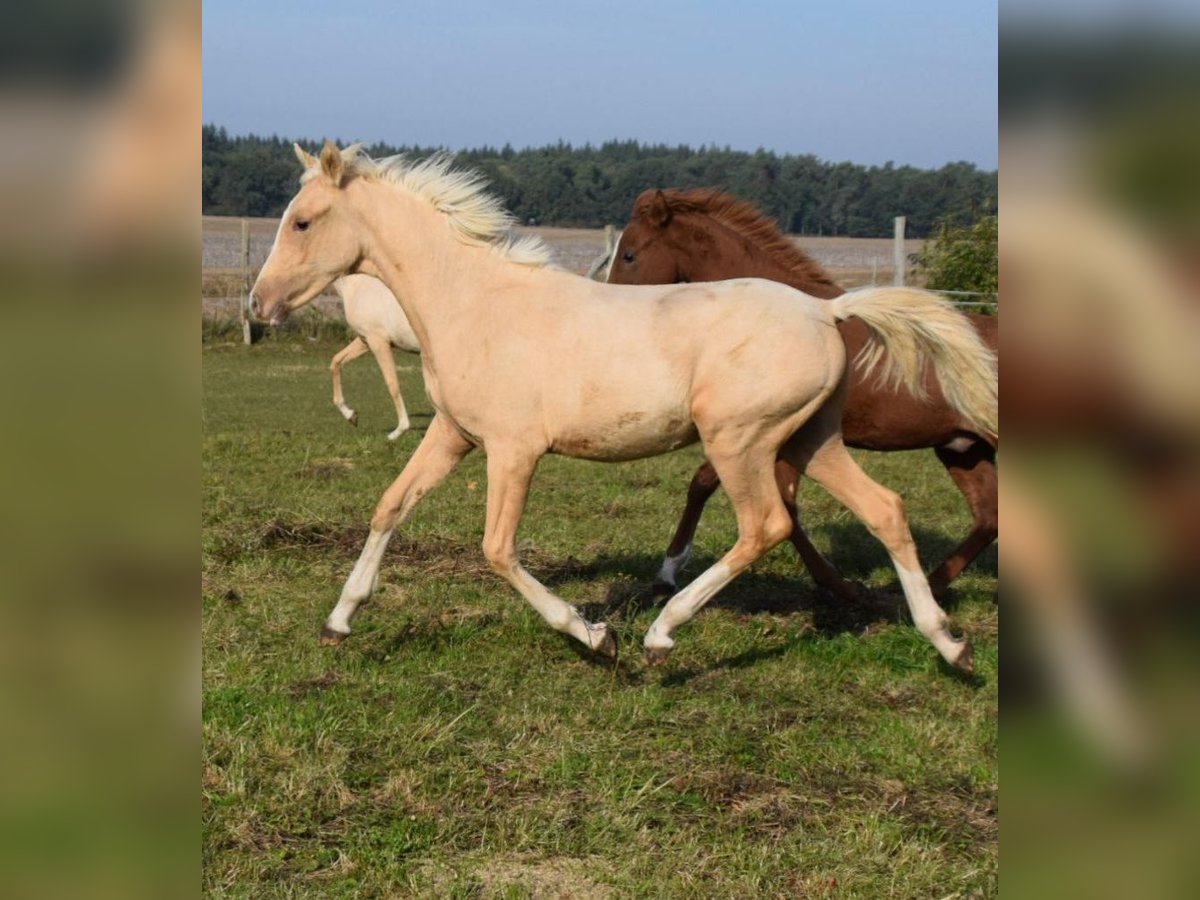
(630, 591)
(752, 593)
(746, 658)
(856, 553)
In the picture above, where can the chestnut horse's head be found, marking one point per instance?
(648, 252)
(706, 234)
(318, 239)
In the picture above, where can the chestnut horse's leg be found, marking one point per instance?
(821, 569)
(353, 350)
(974, 471)
(435, 457)
(704, 485)
(509, 474)
(382, 348)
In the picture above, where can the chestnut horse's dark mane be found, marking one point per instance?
(747, 220)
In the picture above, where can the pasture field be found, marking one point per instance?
(455, 746)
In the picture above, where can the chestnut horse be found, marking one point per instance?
(522, 360)
(708, 235)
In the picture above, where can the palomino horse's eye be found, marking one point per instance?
(301, 225)
(628, 257)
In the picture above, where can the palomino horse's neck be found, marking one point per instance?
(738, 257)
(439, 279)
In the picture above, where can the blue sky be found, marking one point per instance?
(854, 80)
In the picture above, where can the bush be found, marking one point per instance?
(961, 258)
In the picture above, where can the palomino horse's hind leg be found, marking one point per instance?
(704, 484)
(974, 471)
(509, 474)
(382, 348)
(881, 510)
(435, 457)
(353, 350)
(762, 522)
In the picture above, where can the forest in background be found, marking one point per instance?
(589, 187)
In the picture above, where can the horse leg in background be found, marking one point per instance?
(704, 484)
(762, 522)
(439, 452)
(353, 350)
(382, 348)
(818, 451)
(974, 471)
(509, 473)
(821, 569)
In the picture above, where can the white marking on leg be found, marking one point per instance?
(684, 605)
(673, 565)
(347, 413)
(361, 583)
(400, 428)
(1088, 680)
(559, 615)
(959, 444)
(931, 620)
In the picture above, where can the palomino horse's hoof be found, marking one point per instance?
(608, 644)
(331, 638)
(656, 656)
(966, 659)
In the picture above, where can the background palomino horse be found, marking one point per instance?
(708, 235)
(375, 316)
(523, 360)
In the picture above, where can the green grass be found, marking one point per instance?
(454, 746)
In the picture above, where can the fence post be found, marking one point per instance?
(245, 300)
(899, 257)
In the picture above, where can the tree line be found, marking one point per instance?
(592, 186)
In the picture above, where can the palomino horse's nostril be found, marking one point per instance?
(254, 307)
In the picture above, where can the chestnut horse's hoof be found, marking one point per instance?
(662, 588)
(331, 638)
(656, 656)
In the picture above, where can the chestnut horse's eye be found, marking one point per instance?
(301, 225)
(628, 257)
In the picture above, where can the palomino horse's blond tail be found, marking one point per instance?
(915, 327)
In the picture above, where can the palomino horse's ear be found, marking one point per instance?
(658, 211)
(306, 159)
(331, 163)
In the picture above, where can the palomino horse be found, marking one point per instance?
(522, 360)
(708, 235)
(375, 316)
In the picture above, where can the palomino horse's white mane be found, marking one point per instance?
(475, 216)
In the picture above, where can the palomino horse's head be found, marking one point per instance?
(646, 253)
(318, 239)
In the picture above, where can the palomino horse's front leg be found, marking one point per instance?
(435, 457)
(382, 348)
(509, 474)
(353, 350)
